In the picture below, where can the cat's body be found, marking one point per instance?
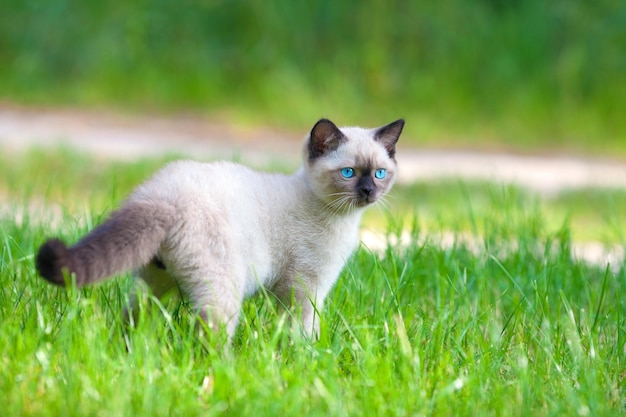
(220, 231)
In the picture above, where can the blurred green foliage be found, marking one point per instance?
(517, 73)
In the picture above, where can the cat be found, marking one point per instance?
(218, 232)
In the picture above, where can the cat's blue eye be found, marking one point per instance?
(380, 173)
(347, 172)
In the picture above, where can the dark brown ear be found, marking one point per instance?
(388, 136)
(325, 137)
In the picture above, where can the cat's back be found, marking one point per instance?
(219, 175)
(221, 184)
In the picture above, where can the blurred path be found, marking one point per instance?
(115, 136)
(128, 137)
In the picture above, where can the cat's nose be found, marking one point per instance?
(366, 191)
(366, 188)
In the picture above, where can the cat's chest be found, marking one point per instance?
(327, 244)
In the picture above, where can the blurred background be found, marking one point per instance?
(483, 74)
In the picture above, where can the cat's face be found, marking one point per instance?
(351, 168)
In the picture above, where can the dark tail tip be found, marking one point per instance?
(52, 259)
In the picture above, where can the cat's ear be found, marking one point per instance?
(388, 136)
(325, 137)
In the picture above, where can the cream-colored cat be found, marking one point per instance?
(220, 231)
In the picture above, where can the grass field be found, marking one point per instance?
(518, 328)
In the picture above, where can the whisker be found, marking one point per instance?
(339, 205)
(382, 206)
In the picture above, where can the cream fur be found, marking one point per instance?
(226, 230)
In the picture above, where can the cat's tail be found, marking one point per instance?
(129, 239)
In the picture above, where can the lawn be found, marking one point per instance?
(518, 327)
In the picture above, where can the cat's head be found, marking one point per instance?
(351, 167)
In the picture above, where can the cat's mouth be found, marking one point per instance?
(365, 200)
(351, 202)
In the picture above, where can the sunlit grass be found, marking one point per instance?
(515, 328)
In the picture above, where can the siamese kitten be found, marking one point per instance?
(219, 231)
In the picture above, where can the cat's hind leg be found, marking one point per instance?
(217, 296)
(209, 270)
(153, 279)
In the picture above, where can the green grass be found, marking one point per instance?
(492, 73)
(590, 214)
(518, 328)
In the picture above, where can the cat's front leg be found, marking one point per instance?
(311, 309)
(303, 301)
